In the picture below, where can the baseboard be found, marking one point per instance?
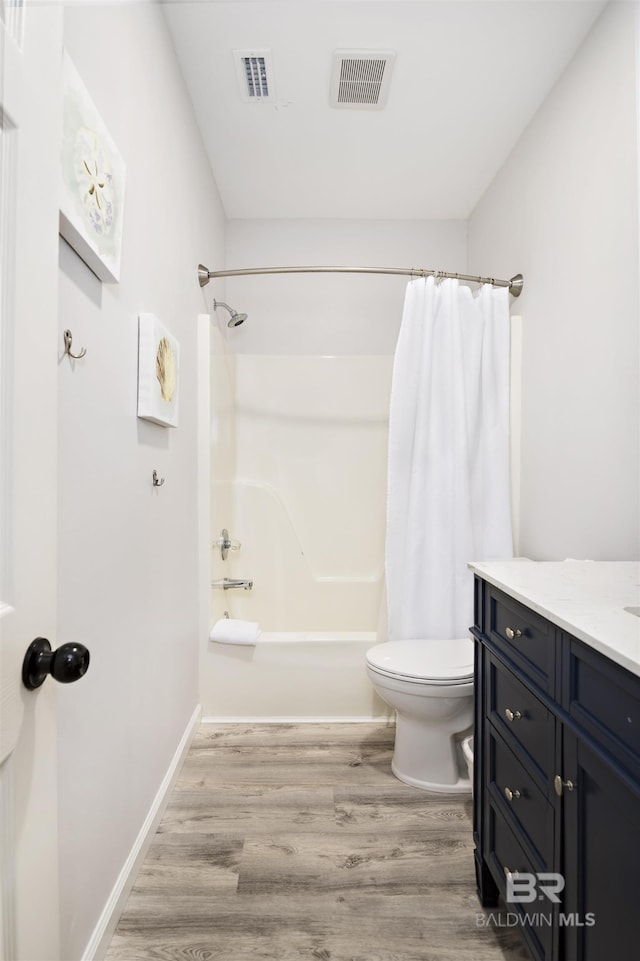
(106, 926)
(379, 719)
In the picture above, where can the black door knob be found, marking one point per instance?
(69, 663)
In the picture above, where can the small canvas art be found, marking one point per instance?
(92, 181)
(158, 372)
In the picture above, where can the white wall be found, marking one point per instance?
(331, 313)
(564, 211)
(130, 586)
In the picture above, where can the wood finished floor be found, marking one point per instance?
(291, 842)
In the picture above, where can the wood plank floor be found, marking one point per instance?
(291, 842)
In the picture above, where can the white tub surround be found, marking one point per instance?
(293, 676)
(589, 599)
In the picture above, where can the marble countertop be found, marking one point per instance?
(585, 598)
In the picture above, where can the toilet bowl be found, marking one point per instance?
(430, 685)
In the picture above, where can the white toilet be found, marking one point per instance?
(430, 685)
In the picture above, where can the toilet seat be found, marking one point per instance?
(434, 662)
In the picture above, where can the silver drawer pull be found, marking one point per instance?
(559, 785)
(511, 795)
(511, 634)
(512, 715)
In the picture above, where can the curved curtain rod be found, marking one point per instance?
(515, 285)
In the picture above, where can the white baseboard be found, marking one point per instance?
(379, 719)
(108, 921)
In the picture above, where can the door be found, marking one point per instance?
(30, 52)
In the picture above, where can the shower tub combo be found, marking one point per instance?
(307, 503)
(289, 674)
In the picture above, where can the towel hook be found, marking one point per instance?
(157, 481)
(68, 340)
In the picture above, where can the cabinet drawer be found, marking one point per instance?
(505, 855)
(525, 637)
(604, 699)
(523, 720)
(523, 804)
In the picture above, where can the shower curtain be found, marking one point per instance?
(448, 498)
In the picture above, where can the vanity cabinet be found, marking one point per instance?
(556, 784)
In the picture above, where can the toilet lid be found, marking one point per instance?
(432, 660)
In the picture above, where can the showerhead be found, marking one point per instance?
(235, 319)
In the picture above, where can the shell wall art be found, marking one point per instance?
(158, 372)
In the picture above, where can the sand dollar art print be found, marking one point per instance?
(92, 181)
(166, 369)
(158, 372)
(94, 178)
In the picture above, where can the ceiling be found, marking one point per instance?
(467, 79)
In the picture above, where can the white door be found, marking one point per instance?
(30, 51)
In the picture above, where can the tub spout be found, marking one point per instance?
(226, 583)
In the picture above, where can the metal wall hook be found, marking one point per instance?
(157, 481)
(68, 340)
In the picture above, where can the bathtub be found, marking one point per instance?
(293, 676)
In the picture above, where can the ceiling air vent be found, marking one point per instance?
(255, 75)
(360, 78)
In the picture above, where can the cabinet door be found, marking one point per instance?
(601, 822)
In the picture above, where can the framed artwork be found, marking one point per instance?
(158, 372)
(92, 181)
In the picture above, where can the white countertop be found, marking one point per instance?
(585, 598)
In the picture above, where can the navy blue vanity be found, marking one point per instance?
(557, 754)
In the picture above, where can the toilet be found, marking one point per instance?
(430, 685)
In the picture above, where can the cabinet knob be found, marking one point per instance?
(511, 795)
(512, 715)
(511, 634)
(559, 785)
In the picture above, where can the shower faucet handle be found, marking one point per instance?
(225, 544)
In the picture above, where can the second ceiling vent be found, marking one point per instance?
(255, 75)
(360, 78)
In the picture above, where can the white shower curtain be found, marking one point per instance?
(448, 496)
